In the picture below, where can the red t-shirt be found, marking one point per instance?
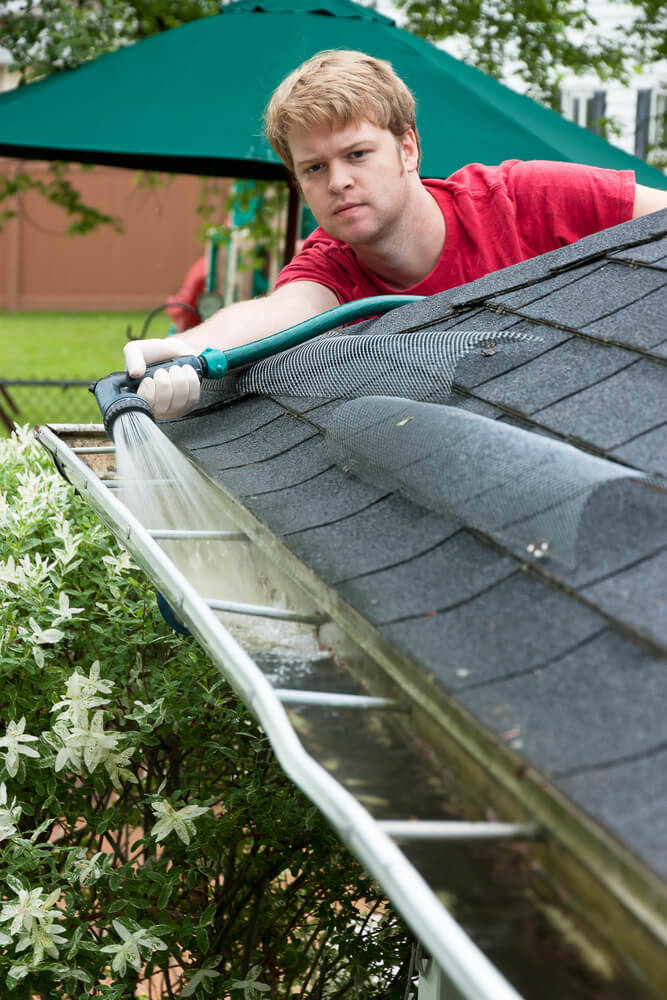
(495, 216)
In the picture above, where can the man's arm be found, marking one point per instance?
(648, 200)
(174, 391)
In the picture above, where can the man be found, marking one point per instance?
(344, 125)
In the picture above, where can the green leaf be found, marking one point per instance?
(14, 883)
(153, 876)
(76, 940)
(164, 897)
(161, 930)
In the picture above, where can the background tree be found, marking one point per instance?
(44, 36)
(649, 30)
(48, 36)
(539, 41)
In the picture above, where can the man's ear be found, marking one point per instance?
(410, 150)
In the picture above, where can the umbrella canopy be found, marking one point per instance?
(190, 100)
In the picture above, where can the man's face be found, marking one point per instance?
(354, 178)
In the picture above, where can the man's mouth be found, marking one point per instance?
(347, 208)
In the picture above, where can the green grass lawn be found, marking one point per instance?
(60, 346)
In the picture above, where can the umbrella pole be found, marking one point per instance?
(293, 220)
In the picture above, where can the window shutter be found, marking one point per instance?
(597, 109)
(642, 122)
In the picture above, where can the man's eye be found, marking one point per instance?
(313, 168)
(358, 154)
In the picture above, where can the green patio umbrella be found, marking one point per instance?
(190, 100)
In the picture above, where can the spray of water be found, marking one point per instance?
(159, 484)
(164, 490)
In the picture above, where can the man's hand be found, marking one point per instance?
(173, 391)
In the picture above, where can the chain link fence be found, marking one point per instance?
(46, 401)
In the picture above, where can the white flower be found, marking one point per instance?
(95, 743)
(28, 908)
(31, 491)
(64, 612)
(42, 636)
(6, 509)
(8, 816)
(180, 821)
(25, 573)
(198, 979)
(81, 694)
(88, 870)
(116, 769)
(70, 543)
(119, 563)
(22, 438)
(69, 753)
(143, 711)
(250, 986)
(89, 743)
(8, 571)
(14, 740)
(129, 951)
(94, 683)
(43, 938)
(38, 572)
(19, 972)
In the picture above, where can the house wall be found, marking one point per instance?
(623, 104)
(41, 267)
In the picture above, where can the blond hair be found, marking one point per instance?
(337, 88)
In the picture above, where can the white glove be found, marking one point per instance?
(173, 391)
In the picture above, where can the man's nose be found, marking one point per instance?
(339, 177)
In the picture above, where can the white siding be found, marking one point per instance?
(621, 105)
(621, 101)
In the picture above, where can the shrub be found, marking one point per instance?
(151, 844)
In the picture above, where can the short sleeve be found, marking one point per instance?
(314, 263)
(331, 263)
(558, 203)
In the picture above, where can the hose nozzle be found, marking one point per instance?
(115, 396)
(117, 393)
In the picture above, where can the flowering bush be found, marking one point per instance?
(151, 845)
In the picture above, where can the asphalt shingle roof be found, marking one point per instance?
(573, 659)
